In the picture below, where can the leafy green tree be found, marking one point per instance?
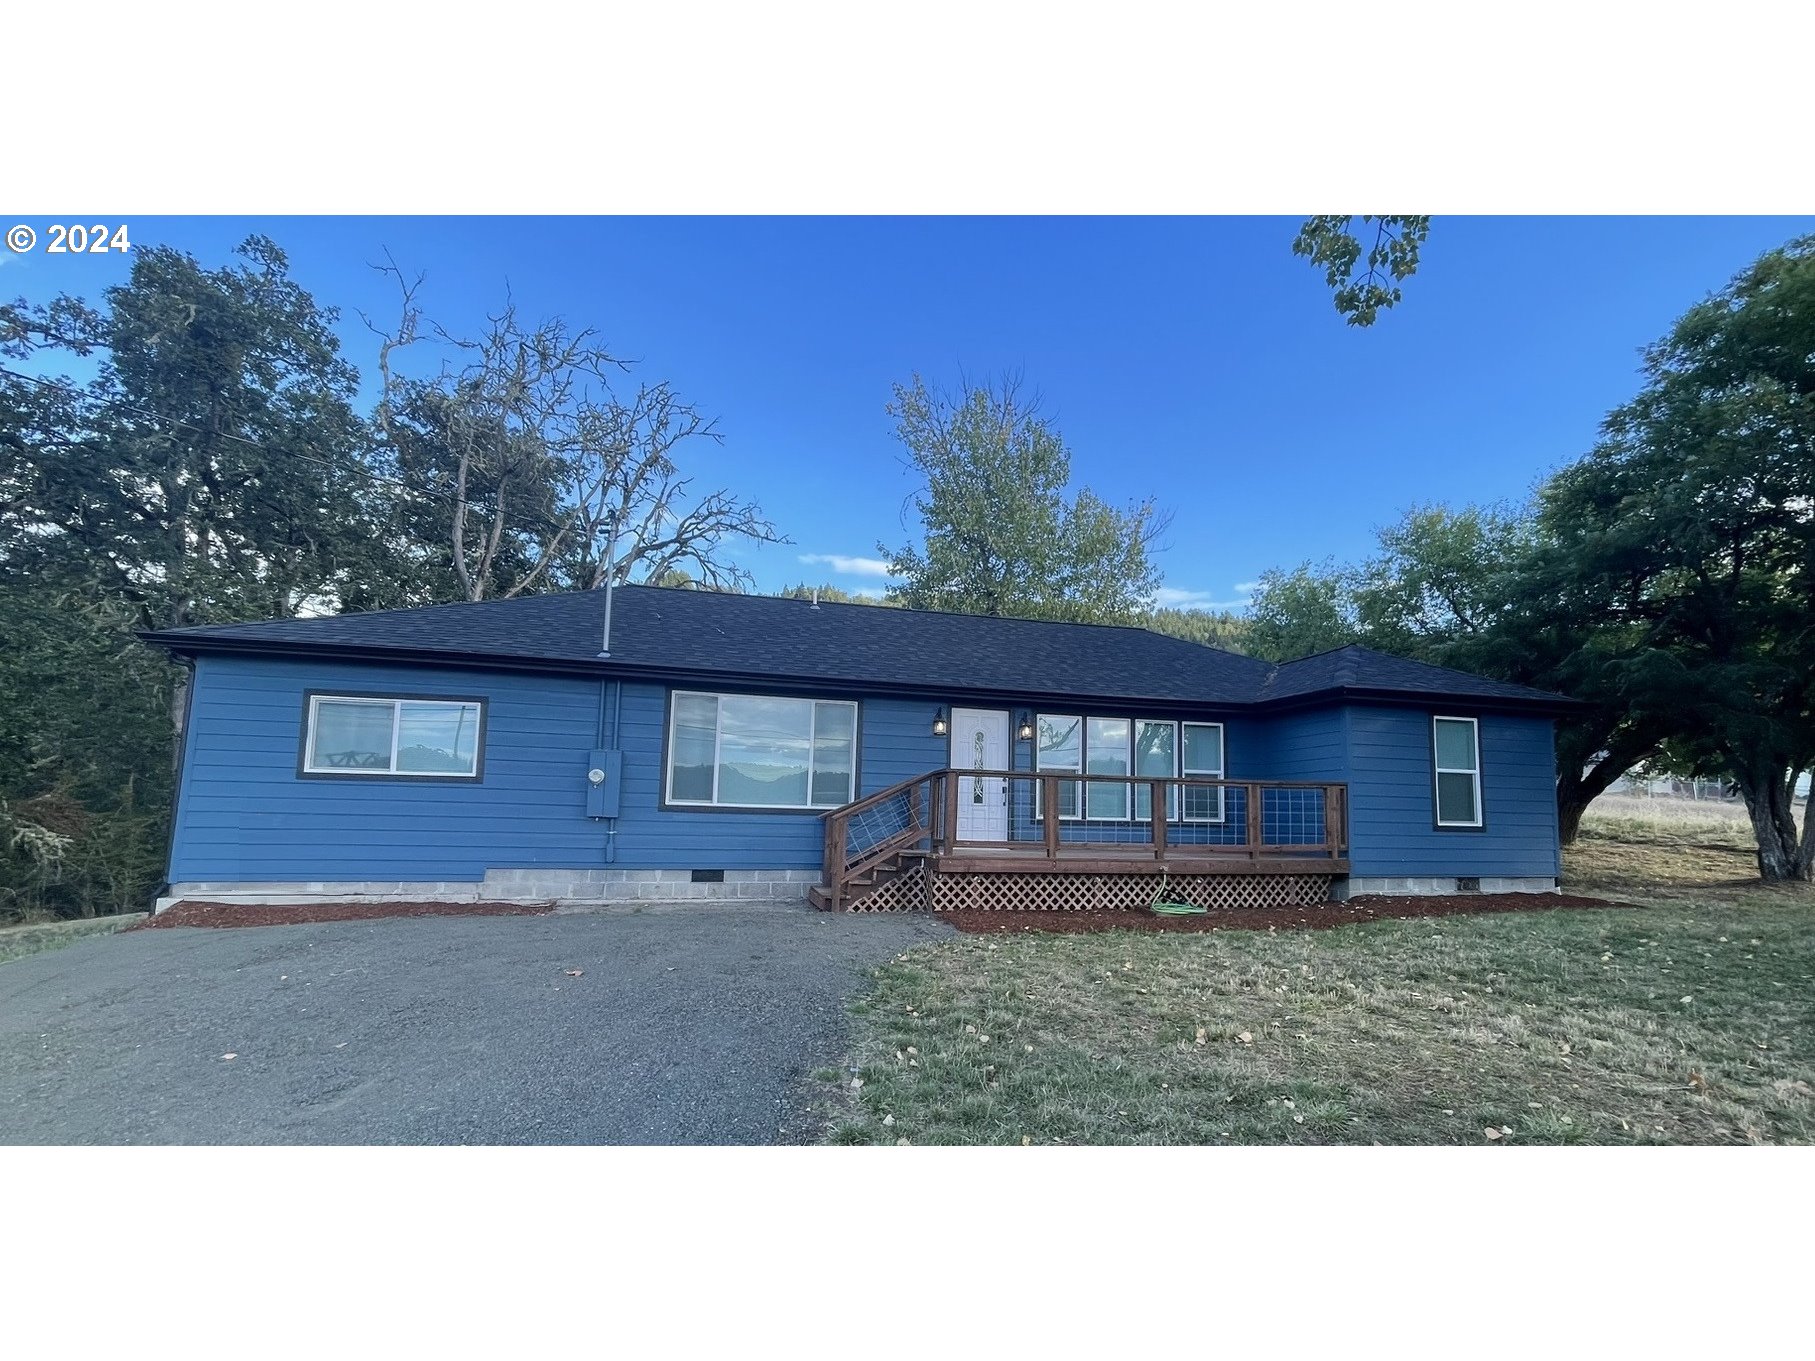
(1001, 536)
(212, 469)
(1296, 613)
(1695, 518)
(84, 754)
(1363, 286)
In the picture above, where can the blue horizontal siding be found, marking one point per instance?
(1392, 816)
(1308, 745)
(245, 815)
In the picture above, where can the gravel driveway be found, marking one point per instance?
(685, 1026)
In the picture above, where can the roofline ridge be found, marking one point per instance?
(971, 614)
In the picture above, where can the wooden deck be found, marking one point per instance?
(1122, 860)
(902, 843)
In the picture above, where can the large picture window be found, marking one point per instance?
(1137, 749)
(379, 735)
(1456, 752)
(761, 751)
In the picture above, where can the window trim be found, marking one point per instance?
(1127, 775)
(1174, 812)
(1039, 786)
(313, 697)
(1437, 770)
(669, 802)
(1134, 757)
(1221, 772)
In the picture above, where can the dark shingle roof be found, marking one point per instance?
(1361, 670)
(662, 631)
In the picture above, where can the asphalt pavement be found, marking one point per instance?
(670, 1026)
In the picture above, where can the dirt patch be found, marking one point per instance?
(296, 914)
(1318, 916)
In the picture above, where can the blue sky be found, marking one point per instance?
(1194, 360)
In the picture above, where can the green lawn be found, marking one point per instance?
(1687, 1020)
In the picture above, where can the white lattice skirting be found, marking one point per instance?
(1091, 892)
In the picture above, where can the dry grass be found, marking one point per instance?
(1683, 1021)
(18, 941)
(1658, 821)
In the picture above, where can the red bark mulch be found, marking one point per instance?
(188, 913)
(1314, 917)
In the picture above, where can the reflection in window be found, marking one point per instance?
(360, 735)
(761, 751)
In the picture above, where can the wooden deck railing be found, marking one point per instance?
(1160, 818)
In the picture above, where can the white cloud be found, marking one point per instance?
(1247, 587)
(847, 566)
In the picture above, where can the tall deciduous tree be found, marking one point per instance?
(212, 469)
(518, 457)
(206, 466)
(1001, 535)
(1695, 517)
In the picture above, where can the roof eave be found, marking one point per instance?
(1534, 704)
(186, 645)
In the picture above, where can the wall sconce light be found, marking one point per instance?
(1027, 728)
(939, 723)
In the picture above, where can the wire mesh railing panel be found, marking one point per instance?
(1291, 817)
(1116, 813)
(872, 826)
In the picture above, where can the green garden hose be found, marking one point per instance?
(1177, 909)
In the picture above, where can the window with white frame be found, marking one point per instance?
(761, 751)
(1456, 753)
(420, 738)
(1204, 760)
(1106, 753)
(1156, 757)
(1138, 749)
(1059, 745)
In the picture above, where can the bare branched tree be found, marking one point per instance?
(633, 483)
(521, 449)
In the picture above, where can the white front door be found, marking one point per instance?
(980, 742)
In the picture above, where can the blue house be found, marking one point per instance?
(748, 747)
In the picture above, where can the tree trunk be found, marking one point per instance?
(1571, 804)
(1577, 788)
(179, 712)
(1770, 801)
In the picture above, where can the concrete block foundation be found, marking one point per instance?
(581, 887)
(1435, 885)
